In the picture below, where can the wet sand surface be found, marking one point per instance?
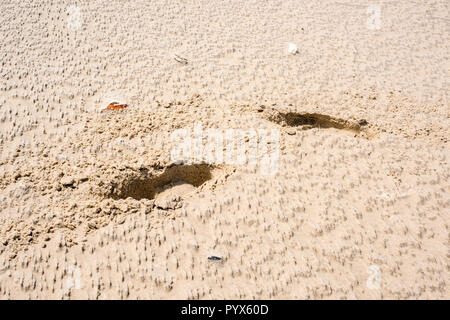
(354, 205)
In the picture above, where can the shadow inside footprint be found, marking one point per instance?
(312, 120)
(181, 178)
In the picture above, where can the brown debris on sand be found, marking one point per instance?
(116, 106)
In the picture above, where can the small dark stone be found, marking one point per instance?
(363, 122)
(214, 258)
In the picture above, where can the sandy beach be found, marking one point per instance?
(224, 149)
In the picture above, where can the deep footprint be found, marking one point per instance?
(311, 120)
(180, 179)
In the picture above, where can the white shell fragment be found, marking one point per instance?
(292, 48)
(180, 59)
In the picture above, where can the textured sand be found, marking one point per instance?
(92, 205)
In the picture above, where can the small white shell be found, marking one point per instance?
(292, 48)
